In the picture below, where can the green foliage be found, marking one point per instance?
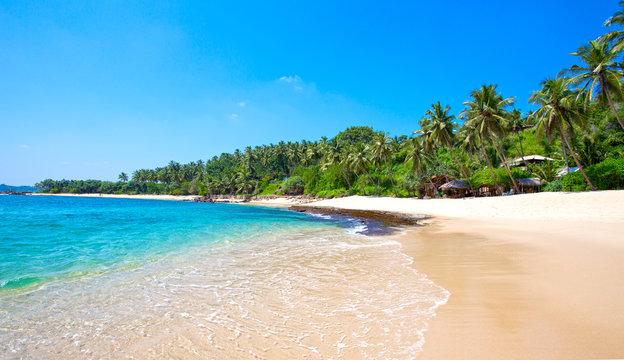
(608, 174)
(354, 135)
(484, 177)
(332, 193)
(294, 185)
(574, 182)
(553, 186)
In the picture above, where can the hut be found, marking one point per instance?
(455, 188)
(529, 185)
(531, 159)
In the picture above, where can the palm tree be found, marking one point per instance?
(559, 110)
(417, 157)
(599, 74)
(486, 113)
(616, 38)
(440, 125)
(381, 150)
(358, 160)
(123, 177)
(333, 157)
(516, 125)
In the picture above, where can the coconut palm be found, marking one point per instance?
(559, 110)
(358, 161)
(487, 114)
(516, 125)
(616, 38)
(598, 74)
(123, 177)
(333, 156)
(440, 126)
(381, 151)
(416, 156)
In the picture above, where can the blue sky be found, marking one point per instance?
(90, 89)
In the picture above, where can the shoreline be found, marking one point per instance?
(530, 276)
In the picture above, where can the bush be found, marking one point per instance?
(608, 174)
(553, 186)
(294, 185)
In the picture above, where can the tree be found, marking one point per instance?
(615, 38)
(440, 126)
(381, 150)
(358, 160)
(333, 156)
(559, 110)
(123, 177)
(486, 113)
(598, 75)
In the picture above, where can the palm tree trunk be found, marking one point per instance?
(521, 152)
(513, 181)
(617, 116)
(435, 153)
(491, 168)
(345, 176)
(565, 153)
(391, 180)
(578, 163)
(448, 143)
(360, 181)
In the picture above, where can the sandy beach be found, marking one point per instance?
(534, 276)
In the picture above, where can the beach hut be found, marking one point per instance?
(529, 185)
(455, 188)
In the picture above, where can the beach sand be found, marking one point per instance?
(535, 276)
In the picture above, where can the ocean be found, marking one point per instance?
(116, 278)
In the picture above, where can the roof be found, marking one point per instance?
(529, 182)
(530, 158)
(455, 184)
(563, 172)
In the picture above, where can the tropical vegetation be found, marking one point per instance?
(580, 108)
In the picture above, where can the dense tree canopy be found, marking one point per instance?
(581, 107)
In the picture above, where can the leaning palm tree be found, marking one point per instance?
(486, 114)
(598, 74)
(559, 110)
(440, 126)
(123, 177)
(516, 125)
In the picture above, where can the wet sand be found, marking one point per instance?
(523, 290)
(531, 276)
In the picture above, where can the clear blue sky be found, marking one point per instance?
(90, 89)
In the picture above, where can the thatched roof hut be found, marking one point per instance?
(529, 184)
(455, 185)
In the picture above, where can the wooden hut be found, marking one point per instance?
(529, 185)
(455, 188)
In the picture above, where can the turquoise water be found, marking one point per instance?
(148, 279)
(43, 238)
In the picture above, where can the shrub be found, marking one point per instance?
(294, 185)
(553, 186)
(608, 174)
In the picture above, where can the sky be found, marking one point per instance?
(91, 89)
